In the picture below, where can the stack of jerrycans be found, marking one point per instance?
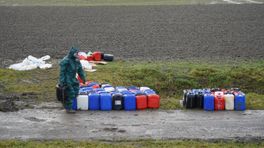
(195, 98)
(199, 97)
(128, 98)
(218, 99)
(203, 99)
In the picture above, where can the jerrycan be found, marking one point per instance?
(229, 101)
(208, 102)
(105, 101)
(94, 101)
(117, 101)
(82, 102)
(240, 101)
(219, 101)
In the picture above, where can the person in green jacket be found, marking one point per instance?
(69, 66)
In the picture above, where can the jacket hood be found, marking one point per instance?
(72, 51)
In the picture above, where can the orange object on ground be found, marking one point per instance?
(97, 56)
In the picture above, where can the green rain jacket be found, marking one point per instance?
(68, 69)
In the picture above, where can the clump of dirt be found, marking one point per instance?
(15, 102)
(7, 103)
(113, 129)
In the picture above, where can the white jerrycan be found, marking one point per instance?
(229, 101)
(82, 102)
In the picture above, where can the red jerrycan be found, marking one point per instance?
(97, 56)
(219, 101)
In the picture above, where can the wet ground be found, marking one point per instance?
(14, 102)
(51, 122)
(213, 32)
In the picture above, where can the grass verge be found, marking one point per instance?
(99, 2)
(129, 144)
(167, 78)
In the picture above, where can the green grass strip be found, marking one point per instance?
(99, 2)
(128, 144)
(167, 78)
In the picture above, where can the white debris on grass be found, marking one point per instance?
(86, 65)
(82, 55)
(31, 62)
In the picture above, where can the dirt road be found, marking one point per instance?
(54, 123)
(136, 32)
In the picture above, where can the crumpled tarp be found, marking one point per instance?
(31, 62)
(86, 65)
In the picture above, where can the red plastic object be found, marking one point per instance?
(141, 102)
(82, 55)
(153, 101)
(96, 86)
(219, 101)
(97, 56)
(93, 86)
(87, 83)
(90, 58)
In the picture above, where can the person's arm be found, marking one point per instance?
(81, 73)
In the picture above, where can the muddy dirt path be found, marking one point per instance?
(54, 123)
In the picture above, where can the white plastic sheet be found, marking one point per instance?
(31, 62)
(86, 65)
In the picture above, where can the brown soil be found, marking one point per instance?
(217, 32)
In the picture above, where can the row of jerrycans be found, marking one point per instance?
(210, 99)
(120, 98)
